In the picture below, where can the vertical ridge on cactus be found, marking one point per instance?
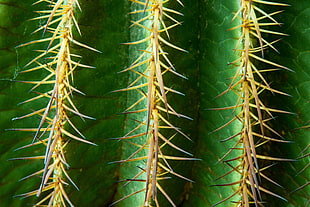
(57, 61)
(150, 68)
(248, 83)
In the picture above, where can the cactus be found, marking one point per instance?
(195, 103)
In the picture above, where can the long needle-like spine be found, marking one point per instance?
(156, 63)
(248, 84)
(52, 132)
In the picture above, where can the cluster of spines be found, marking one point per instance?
(248, 84)
(154, 93)
(59, 63)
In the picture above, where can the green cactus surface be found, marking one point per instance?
(139, 103)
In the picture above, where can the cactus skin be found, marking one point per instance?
(212, 18)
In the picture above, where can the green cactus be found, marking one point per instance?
(211, 107)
